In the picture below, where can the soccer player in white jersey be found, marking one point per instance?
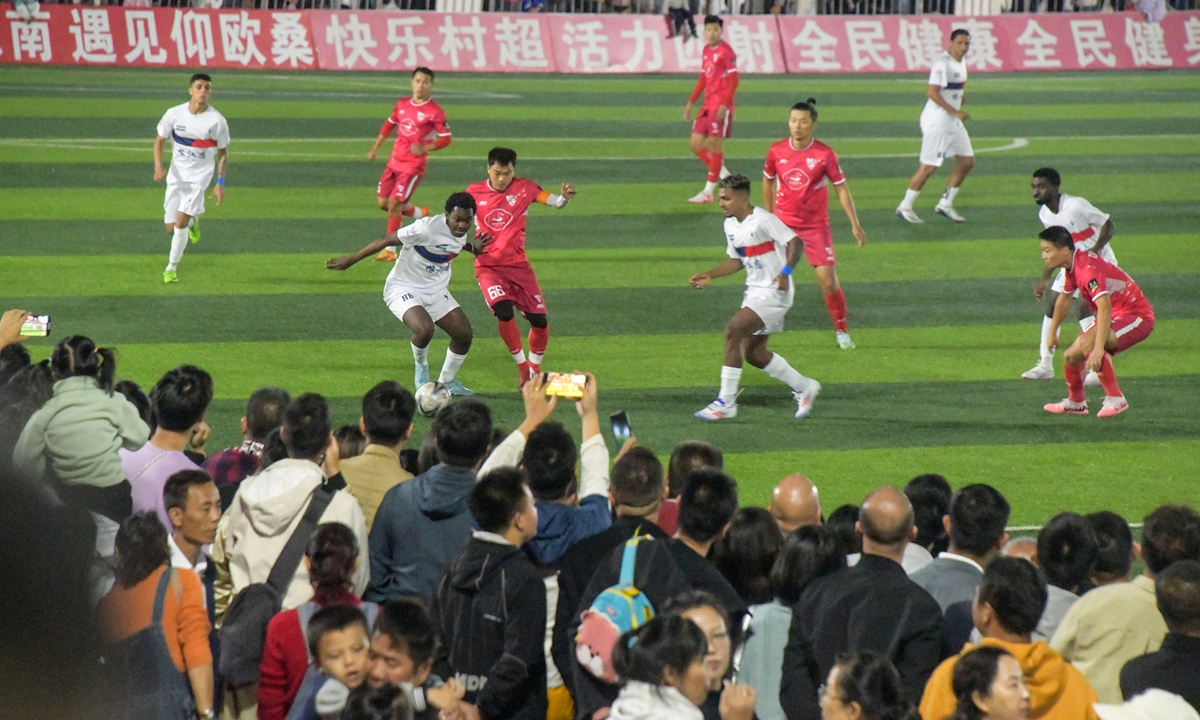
(943, 134)
(1091, 230)
(417, 288)
(199, 139)
(768, 250)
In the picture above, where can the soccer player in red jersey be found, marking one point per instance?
(420, 125)
(1124, 318)
(796, 179)
(718, 82)
(503, 271)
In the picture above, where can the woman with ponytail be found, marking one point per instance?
(865, 686)
(72, 441)
(331, 558)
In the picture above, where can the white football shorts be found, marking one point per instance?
(183, 197)
(401, 298)
(941, 139)
(770, 305)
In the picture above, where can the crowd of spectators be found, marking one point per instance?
(280, 579)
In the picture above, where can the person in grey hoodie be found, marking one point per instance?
(424, 523)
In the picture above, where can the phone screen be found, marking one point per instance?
(620, 425)
(566, 385)
(36, 326)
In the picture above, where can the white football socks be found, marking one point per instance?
(418, 213)
(709, 187)
(1044, 350)
(535, 358)
(179, 241)
(420, 354)
(948, 196)
(450, 366)
(730, 377)
(779, 369)
(910, 197)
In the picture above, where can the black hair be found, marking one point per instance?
(461, 200)
(273, 450)
(181, 397)
(666, 641)
(1049, 174)
(464, 433)
(264, 411)
(24, 393)
(713, 20)
(958, 32)
(737, 182)
(410, 458)
(386, 702)
(306, 426)
(1058, 236)
(549, 461)
(747, 553)
(1115, 556)
(1016, 592)
(387, 412)
(407, 621)
(978, 516)
(637, 479)
(331, 551)
(974, 672)
(930, 497)
(12, 359)
(692, 599)
(1170, 533)
(141, 548)
(809, 106)
(423, 69)
(841, 524)
(1178, 592)
(497, 498)
(77, 355)
(332, 618)
(502, 157)
(1066, 550)
(873, 682)
(137, 397)
(179, 485)
(886, 534)
(199, 76)
(808, 552)
(707, 504)
(350, 441)
(688, 456)
(427, 455)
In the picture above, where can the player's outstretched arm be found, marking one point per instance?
(729, 267)
(1062, 306)
(557, 201)
(347, 261)
(222, 165)
(160, 172)
(843, 193)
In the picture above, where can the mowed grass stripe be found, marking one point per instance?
(221, 273)
(614, 199)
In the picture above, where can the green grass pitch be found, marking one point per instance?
(943, 314)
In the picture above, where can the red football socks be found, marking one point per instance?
(538, 339)
(511, 335)
(394, 223)
(836, 302)
(1108, 378)
(1074, 374)
(715, 162)
(704, 157)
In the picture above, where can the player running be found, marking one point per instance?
(718, 81)
(943, 134)
(796, 181)
(417, 288)
(1091, 230)
(1124, 318)
(768, 250)
(199, 135)
(503, 271)
(420, 125)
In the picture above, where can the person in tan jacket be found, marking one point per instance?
(387, 415)
(1007, 607)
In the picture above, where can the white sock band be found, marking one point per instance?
(450, 366)
(730, 377)
(710, 187)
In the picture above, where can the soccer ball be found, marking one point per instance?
(431, 398)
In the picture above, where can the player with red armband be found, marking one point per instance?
(718, 82)
(796, 179)
(420, 125)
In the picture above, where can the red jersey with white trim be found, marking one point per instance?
(502, 215)
(803, 177)
(1094, 278)
(1082, 220)
(718, 65)
(414, 122)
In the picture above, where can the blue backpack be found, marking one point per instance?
(615, 611)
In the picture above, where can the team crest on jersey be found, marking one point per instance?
(512, 199)
(498, 219)
(812, 163)
(796, 179)
(420, 117)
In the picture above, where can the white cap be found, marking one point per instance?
(1153, 704)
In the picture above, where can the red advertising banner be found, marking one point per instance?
(455, 42)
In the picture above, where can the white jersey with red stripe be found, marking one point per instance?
(760, 242)
(426, 249)
(195, 138)
(1082, 220)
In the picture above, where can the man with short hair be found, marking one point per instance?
(687, 456)
(795, 503)
(871, 606)
(718, 82)
(386, 421)
(930, 497)
(424, 523)
(228, 468)
(1007, 606)
(1113, 624)
(976, 521)
(1066, 549)
(1117, 549)
(180, 400)
(706, 509)
(1176, 666)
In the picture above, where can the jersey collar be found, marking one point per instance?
(811, 140)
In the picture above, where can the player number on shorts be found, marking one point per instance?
(406, 297)
(495, 291)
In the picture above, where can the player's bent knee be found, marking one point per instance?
(503, 311)
(537, 320)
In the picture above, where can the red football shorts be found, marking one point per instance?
(1131, 330)
(398, 184)
(514, 283)
(707, 124)
(818, 243)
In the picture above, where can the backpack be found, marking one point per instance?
(244, 630)
(615, 611)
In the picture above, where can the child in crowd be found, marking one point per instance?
(338, 638)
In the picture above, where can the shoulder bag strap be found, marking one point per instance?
(160, 597)
(629, 561)
(289, 558)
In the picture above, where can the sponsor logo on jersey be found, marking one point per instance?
(796, 179)
(498, 219)
(408, 127)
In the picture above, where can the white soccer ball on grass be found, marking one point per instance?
(431, 398)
